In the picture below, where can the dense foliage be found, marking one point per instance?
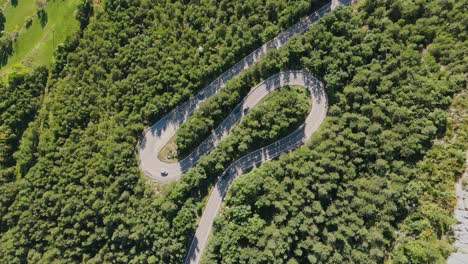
(216, 108)
(275, 117)
(350, 195)
(82, 198)
(422, 236)
(20, 99)
(84, 12)
(6, 48)
(342, 198)
(211, 113)
(2, 21)
(6, 45)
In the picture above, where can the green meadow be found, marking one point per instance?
(36, 42)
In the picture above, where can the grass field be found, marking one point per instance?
(36, 44)
(16, 16)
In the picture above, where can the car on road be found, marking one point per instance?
(164, 173)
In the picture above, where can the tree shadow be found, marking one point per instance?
(43, 18)
(29, 22)
(6, 49)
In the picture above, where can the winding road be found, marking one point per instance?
(159, 134)
(293, 140)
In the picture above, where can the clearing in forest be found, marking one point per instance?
(37, 37)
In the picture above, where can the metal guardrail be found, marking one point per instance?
(190, 106)
(269, 152)
(187, 108)
(275, 149)
(273, 82)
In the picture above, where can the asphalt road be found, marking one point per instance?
(293, 140)
(159, 134)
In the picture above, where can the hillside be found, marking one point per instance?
(375, 183)
(37, 33)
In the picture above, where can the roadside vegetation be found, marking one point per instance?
(361, 191)
(133, 64)
(215, 109)
(425, 234)
(229, 96)
(372, 186)
(277, 115)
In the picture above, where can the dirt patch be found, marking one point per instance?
(169, 152)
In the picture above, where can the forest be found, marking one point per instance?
(20, 99)
(350, 195)
(82, 197)
(371, 187)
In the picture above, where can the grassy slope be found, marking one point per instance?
(16, 15)
(35, 45)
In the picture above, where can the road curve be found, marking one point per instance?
(159, 134)
(291, 141)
